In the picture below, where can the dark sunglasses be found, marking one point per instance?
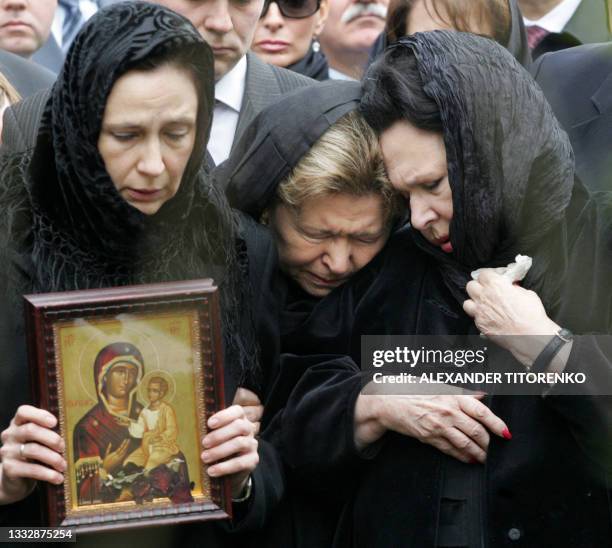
(294, 9)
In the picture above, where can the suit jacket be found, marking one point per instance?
(578, 84)
(264, 85)
(51, 55)
(588, 25)
(26, 77)
(21, 122)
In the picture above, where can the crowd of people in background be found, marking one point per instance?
(340, 168)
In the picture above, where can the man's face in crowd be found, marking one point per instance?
(227, 25)
(353, 25)
(25, 25)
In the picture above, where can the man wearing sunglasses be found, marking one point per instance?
(245, 85)
(350, 30)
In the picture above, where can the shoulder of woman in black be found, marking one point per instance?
(265, 290)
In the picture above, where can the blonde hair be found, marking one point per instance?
(345, 160)
(8, 91)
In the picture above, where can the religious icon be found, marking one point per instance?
(132, 383)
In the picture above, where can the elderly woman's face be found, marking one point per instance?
(282, 40)
(147, 134)
(329, 239)
(415, 160)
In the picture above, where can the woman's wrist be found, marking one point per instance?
(245, 492)
(22, 488)
(529, 344)
(555, 354)
(367, 425)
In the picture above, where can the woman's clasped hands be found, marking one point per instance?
(458, 425)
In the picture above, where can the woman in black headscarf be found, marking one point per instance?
(318, 180)
(468, 137)
(114, 194)
(498, 180)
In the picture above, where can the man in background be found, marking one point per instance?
(351, 28)
(553, 25)
(244, 86)
(69, 17)
(25, 25)
(578, 84)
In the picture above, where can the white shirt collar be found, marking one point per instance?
(230, 89)
(557, 18)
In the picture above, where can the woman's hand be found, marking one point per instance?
(509, 315)
(252, 406)
(456, 425)
(230, 448)
(30, 451)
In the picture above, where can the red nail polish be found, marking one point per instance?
(507, 435)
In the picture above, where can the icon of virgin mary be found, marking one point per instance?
(101, 438)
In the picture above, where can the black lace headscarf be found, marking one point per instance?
(510, 166)
(83, 233)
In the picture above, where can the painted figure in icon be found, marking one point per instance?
(122, 450)
(157, 427)
(101, 437)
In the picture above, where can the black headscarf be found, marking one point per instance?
(83, 233)
(70, 188)
(277, 139)
(517, 40)
(510, 165)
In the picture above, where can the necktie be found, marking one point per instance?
(535, 35)
(73, 21)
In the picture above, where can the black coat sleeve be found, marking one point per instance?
(309, 419)
(587, 407)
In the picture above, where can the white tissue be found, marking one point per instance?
(515, 272)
